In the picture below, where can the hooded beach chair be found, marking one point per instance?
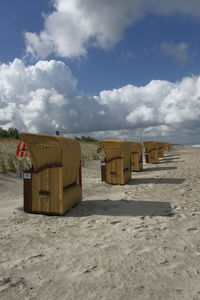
(151, 152)
(116, 168)
(53, 184)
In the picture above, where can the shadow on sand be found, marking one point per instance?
(169, 161)
(120, 208)
(171, 156)
(159, 169)
(159, 180)
(9, 178)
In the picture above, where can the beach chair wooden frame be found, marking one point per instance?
(166, 146)
(116, 168)
(151, 152)
(136, 157)
(161, 149)
(53, 184)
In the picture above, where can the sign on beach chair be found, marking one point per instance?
(53, 185)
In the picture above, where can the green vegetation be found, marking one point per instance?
(2, 165)
(11, 164)
(86, 139)
(95, 156)
(10, 133)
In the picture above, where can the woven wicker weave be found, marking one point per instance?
(154, 150)
(118, 155)
(56, 163)
(136, 156)
(48, 149)
(151, 149)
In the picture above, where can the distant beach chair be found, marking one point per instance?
(151, 152)
(161, 149)
(166, 146)
(116, 168)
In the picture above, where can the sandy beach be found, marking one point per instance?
(137, 241)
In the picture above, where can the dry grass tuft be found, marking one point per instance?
(89, 151)
(2, 165)
(10, 163)
(8, 160)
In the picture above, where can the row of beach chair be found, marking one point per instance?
(124, 157)
(54, 182)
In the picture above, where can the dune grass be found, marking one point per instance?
(10, 163)
(8, 160)
(2, 165)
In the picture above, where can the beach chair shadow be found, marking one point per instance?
(136, 181)
(171, 156)
(120, 208)
(169, 161)
(159, 169)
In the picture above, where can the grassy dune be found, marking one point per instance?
(89, 151)
(8, 160)
(10, 163)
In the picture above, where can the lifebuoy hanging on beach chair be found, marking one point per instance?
(22, 150)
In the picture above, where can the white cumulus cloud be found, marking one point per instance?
(75, 25)
(44, 98)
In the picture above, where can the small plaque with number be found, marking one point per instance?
(103, 163)
(27, 175)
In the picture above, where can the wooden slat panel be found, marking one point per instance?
(35, 190)
(60, 191)
(108, 169)
(56, 184)
(54, 181)
(153, 156)
(43, 199)
(52, 189)
(114, 171)
(71, 197)
(127, 176)
(135, 162)
(120, 166)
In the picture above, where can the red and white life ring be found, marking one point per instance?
(21, 149)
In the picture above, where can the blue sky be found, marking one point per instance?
(17, 17)
(138, 58)
(110, 54)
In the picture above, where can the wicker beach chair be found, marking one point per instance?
(151, 152)
(53, 185)
(116, 168)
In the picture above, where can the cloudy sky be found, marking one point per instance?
(105, 68)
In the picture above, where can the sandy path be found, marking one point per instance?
(138, 241)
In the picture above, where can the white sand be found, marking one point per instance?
(138, 241)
